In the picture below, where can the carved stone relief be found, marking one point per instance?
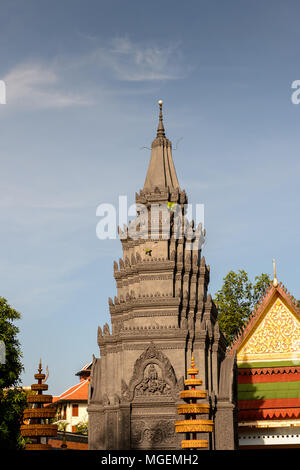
(153, 375)
(150, 433)
(152, 383)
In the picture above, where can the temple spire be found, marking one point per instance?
(161, 171)
(160, 128)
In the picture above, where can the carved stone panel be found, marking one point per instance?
(153, 434)
(153, 376)
(152, 383)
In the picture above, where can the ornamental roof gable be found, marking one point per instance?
(272, 331)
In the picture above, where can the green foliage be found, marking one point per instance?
(82, 427)
(12, 398)
(11, 370)
(260, 286)
(236, 301)
(12, 404)
(61, 424)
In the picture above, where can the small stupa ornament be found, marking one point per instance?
(37, 416)
(191, 426)
(275, 281)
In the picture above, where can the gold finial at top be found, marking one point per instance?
(40, 366)
(193, 370)
(275, 281)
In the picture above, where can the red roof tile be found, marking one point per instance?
(77, 392)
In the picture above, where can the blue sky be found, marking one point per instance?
(83, 80)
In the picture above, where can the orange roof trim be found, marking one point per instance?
(287, 413)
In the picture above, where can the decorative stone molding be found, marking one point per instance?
(149, 264)
(157, 277)
(171, 312)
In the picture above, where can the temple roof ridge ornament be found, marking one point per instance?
(275, 281)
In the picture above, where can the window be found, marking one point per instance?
(65, 413)
(74, 410)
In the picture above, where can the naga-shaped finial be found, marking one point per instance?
(47, 375)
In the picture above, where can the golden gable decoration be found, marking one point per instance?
(278, 332)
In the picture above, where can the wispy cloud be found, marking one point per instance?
(38, 85)
(62, 82)
(135, 62)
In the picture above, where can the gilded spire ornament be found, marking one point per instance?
(37, 429)
(191, 426)
(275, 281)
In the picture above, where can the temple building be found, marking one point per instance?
(268, 360)
(161, 316)
(71, 405)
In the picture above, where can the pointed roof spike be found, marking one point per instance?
(160, 128)
(161, 170)
(192, 362)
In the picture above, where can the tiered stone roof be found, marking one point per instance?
(162, 278)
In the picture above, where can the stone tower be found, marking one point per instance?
(162, 314)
